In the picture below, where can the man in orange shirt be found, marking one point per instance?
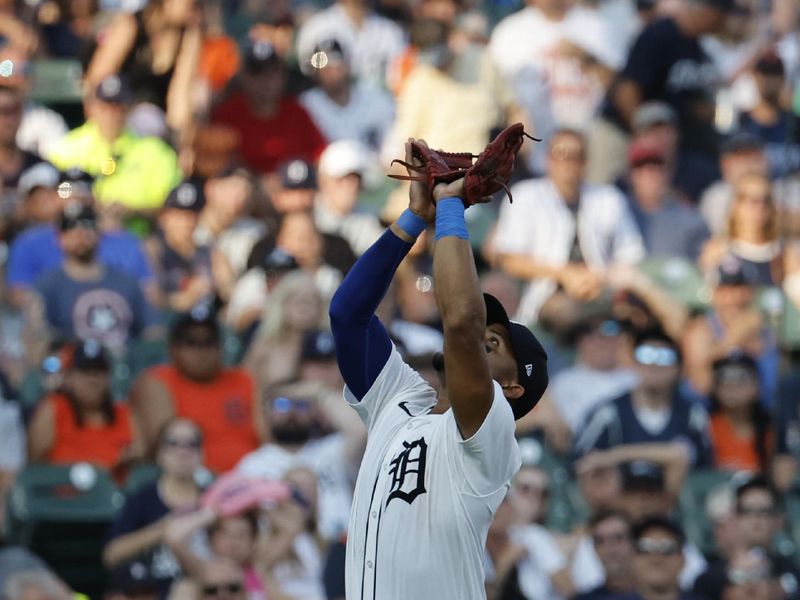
(196, 385)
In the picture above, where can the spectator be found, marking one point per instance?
(669, 227)
(189, 275)
(85, 299)
(668, 63)
(597, 376)
(318, 360)
(529, 495)
(741, 155)
(653, 422)
(106, 149)
(292, 188)
(769, 121)
(342, 109)
(471, 98)
(296, 415)
(12, 442)
(733, 324)
(610, 532)
(657, 560)
(564, 241)
(741, 432)
(137, 533)
(325, 257)
(38, 583)
(81, 423)
(224, 223)
(222, 578)
(157, 49)
(748, 577)
(37, 250)
(252, 290)
(753, 237)
(548, 70)
(272, 127)
(39, 203)
(525, 560)
(295, 307)
(14, 159)
(374, 40)
(342, 169)
(195, 385)
(759, 517)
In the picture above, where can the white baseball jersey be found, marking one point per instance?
(424, 497)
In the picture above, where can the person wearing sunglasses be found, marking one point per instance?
(651, 423)
(222, 579)
(759, 519)
(748, 577)
(196, 385)
(309, 426)
(610, 537)
(139, 529)
(658, 560)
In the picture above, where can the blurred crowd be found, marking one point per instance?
(185, 183)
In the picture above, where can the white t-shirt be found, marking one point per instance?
(12, 436)
(543, 559)
(372, 46)
(540, 225)
(302, 579)
(327, 457)
(576, 391)
(528, 39)
(366, 118)
(424, 496)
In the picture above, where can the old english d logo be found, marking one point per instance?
(408, 472)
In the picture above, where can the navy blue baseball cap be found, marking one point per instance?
(531, 357)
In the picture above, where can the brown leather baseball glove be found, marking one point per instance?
(487, 175)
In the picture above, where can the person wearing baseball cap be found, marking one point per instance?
(37, 189)
(190, 274)
(669, 227)
(436, 465)
(342, 109)
(768, 120)
(673, 44)
(114, 155)
(342, 168)
(272, 126)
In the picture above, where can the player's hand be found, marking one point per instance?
(419, 196)
(454, 189)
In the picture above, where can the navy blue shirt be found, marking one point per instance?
(673, 230)
(671, 67)
(37, 251)
(111, 309)
(615, 423)
(780, 142)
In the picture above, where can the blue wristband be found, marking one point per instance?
(450, 219)
(411, 223)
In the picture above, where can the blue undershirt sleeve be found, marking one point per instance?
(362, 343)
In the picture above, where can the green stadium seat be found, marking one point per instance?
(62, 513)
(55, 81)
(141, 475)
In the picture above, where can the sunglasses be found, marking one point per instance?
(232, 587)
(655, 356)
(609, 328)
(562, 154)
(756, 511)
(743, 576)
(531, 489)
(660, 547)
(283, 405)
(187, 444)
(734, 375)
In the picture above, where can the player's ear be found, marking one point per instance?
(513, 391)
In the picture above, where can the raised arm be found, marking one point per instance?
(362, 344)
(458, 295)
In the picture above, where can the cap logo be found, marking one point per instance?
(186, 195)
(111, 85)
(528, 370)
(297, 170)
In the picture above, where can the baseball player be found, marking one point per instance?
(435, 469)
